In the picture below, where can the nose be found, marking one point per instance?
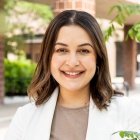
(72, 60)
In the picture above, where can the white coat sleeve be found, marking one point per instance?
(130, 117)
(134, 116)
(15, 129)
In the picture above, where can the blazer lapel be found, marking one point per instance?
(90, 128)
(98, 126)
(48, 114)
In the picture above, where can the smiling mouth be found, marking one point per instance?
(72, 74)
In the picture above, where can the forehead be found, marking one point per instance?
(73, 32)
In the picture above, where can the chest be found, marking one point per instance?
(70, 124)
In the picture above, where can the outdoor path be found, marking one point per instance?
(10, 106)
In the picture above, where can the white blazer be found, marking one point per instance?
(34, 123)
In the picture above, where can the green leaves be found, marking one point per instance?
(16, 72)
(134, 32)
(115, 7)
(20, 11)
(109, 32)
(123, 12)
(39, 10)
(129, 134)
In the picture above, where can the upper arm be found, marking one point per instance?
(15, 129)
(134, 116)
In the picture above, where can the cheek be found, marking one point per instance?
(56, 62)
(90, 62)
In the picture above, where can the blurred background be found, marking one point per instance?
(22, 27)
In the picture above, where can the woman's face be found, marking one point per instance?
(73, 62)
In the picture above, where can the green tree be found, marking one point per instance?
(21, 19)
(123, 12)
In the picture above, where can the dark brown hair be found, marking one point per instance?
(43, 84)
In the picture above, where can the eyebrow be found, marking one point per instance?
(81, 45)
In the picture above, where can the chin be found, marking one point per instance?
(72, 88)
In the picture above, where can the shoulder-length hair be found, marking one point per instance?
(43, 84)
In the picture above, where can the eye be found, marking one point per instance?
(84, 51)
(61, 50)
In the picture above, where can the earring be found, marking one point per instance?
(97, 68)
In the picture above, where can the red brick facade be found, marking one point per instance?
(83, 5)
(129, 58)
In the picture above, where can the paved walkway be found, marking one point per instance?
(10, 106)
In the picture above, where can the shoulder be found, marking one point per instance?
(26, 113)
(120, 100)
(129, 111)
(123, 100)
(20, 121)
(30, 108)
(123, 103)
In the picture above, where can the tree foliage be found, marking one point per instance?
(24, 18)
(123, 12)
(130, 135)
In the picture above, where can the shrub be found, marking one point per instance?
(18, 75)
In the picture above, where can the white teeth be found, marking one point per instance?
(72, 73)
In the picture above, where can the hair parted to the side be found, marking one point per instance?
(43, 84)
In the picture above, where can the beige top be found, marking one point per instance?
(69, 123)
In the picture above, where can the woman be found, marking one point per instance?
(74, 99)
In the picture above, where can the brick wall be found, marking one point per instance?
(83, 5)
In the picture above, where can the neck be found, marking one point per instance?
(74, 99)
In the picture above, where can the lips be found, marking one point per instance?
(72, 74)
